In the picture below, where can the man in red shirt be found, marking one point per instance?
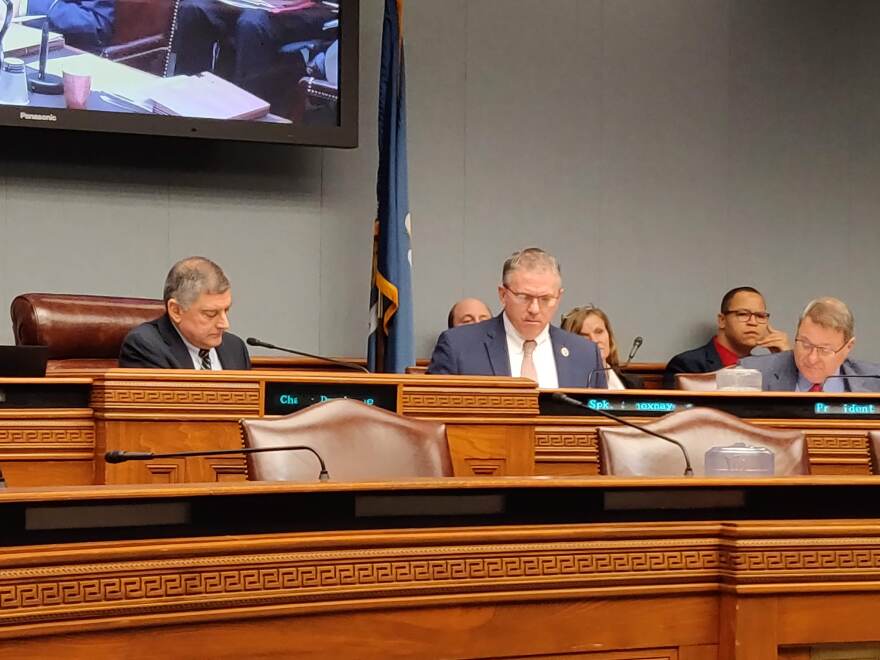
(743, 324)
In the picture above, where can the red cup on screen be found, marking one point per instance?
(77, 87)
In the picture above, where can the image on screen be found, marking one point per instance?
(254, 61)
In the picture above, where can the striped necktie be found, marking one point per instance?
(205, 357)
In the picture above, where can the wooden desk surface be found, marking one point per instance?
(496, 426)
(656, 585)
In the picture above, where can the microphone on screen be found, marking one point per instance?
(253, 341)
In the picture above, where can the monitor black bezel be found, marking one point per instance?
(344, 136)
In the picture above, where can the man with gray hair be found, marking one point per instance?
(520, 341)
(820, 359)
(192, 334)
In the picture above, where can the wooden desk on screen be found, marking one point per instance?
(605, 569)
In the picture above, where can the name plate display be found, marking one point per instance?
(34, 394)
(766, 405)
(286, 398)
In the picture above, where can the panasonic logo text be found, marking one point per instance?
(32, 117)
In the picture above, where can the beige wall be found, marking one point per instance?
(665, 150)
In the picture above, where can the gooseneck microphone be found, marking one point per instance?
(637, 344)
(564, 398)
(121, 456)
(253, 341)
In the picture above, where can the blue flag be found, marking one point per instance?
(390, 346)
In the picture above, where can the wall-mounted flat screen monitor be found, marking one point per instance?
(282, 71)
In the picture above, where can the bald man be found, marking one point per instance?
(469, 310)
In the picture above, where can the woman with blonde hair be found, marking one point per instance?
(592, 323)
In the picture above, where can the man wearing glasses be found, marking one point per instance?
(820, 359)
(743, 325)
(520, 341)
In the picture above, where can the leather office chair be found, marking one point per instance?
(627, 451)
(321, 86)
(81, 331)
(874, 437)
(141, 33)
(357, 442)
(696, 382)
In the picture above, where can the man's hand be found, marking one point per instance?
(775, 340)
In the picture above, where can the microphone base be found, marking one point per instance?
(49, 84)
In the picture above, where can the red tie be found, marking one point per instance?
(815, 387)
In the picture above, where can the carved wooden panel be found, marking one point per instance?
(445, 402)
(491, 450)
(171, 399)
(839, 452)
(566, 444)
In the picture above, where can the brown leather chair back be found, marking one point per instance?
(138, 19)
(357, 442)
(78, 327)
(696, 382)
(627, 451)
(874, 437)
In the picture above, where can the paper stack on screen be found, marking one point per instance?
(271, 6)
(206, 96)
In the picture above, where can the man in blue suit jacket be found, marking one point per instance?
(85, 24)
(521, 341)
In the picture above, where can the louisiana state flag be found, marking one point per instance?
(390, 346)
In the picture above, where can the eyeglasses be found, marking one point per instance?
(526, 300)
(821, 351)
(745, 315)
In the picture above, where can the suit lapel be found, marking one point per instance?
(787, 374)
(227, 359)
(713, 360)
(496, 348)
(175, 344)
(565, 375)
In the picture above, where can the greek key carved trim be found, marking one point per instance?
(460, 402)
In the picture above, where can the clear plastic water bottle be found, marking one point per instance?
(739, 460)
(737, 378)
(13, 83)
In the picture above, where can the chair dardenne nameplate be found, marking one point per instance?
(767, 405)
(283, 398)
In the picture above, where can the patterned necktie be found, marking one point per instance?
(205, 357)
(815, 387)
(528, 365)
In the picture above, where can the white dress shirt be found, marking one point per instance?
(194, 354)
(614, 382)
(545, 362)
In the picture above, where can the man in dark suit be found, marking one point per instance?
(820, 359)
(521, 341)
(85, 24)
(193, 332)
(743, 324)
